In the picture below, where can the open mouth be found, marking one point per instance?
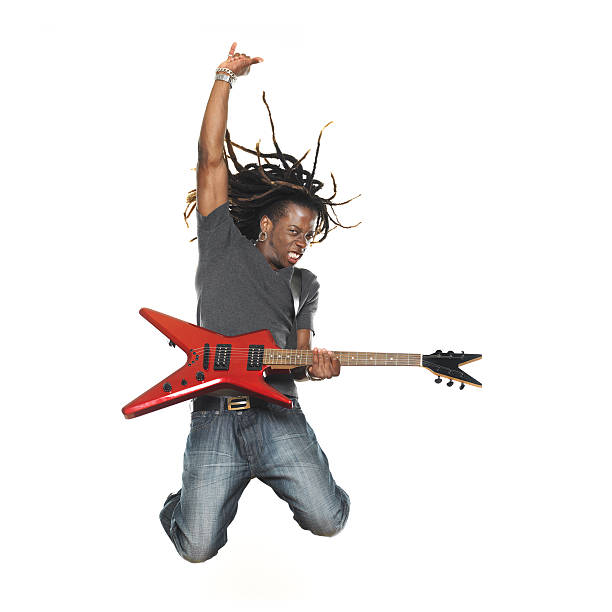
(293, 257)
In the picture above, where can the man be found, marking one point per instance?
(253, 227)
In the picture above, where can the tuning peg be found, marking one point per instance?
(450, 383)
(172, 344)
(462, 386)
(438, 380)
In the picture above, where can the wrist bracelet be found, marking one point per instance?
(224, 77)
(227, 71)
(309, 375)
(232, 77)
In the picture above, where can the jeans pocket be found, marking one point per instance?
(200, 419)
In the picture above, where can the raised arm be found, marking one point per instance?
(211, 170)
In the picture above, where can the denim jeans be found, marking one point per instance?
(225, 450)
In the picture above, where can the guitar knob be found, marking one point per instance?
(450, 383)
(462, 386)
(200, 376)
(438, 380)
(167, 387)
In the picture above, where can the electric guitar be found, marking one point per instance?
(221, 365)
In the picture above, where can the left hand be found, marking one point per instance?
(324, 364)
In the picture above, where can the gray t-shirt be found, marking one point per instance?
(239, 292)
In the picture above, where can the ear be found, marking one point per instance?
(265, 224)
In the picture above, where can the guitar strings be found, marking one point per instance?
(350, 356)
(246, 350)
(306, 352)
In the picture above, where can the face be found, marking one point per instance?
(289, 236)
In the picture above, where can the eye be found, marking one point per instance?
(293, 231)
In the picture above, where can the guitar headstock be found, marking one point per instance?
(447, 365)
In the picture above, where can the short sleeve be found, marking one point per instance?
(214, 220)
(305, 318)
(217, 232)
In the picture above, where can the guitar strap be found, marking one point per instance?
(296, 290)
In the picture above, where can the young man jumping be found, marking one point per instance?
(253, 227)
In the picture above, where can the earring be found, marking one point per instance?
(260, 239)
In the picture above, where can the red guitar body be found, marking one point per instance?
(216, 365)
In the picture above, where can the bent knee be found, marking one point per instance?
(327, 531)
(325, 525)
(197, 554)
(200, 548)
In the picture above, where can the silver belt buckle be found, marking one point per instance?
(239, 402)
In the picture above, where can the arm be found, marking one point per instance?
(211, 170)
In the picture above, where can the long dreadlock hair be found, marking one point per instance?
(259, 189)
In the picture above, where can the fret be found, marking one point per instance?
(295, 357)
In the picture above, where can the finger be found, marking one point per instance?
(327, 365)
(232, 49)
(320, 363)
(335, 364)
(256, 60)
(332, 366)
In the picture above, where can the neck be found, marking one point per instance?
(295, 357)
(266, 253)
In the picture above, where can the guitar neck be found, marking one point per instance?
(296, 357)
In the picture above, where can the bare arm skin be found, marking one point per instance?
(211, 170)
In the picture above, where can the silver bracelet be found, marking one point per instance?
(232, 77)
(220, 76)
(309, 375)
(227, 71)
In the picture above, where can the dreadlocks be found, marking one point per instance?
(259, 189)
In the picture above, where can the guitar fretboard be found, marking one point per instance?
(304, 357)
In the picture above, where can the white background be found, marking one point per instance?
(479, 135)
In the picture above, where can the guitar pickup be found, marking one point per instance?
(256, 354)
(222, 356)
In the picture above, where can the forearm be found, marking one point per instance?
(212, 133)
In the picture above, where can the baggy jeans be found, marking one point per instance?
(225, 450)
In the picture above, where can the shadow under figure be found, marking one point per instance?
(242, 288)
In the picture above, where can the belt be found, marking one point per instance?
(237, 402)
